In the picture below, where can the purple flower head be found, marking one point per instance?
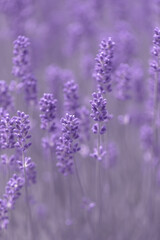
(6, 160)
(70, 125)
(7, 139)
(28, 169)
(56, 77)
(64, 156)
(98, 153)
(5, 96)
(71, 98)
(30, 88)
(14, 131)
(12, 191)
(123, 82)
(154, 79)
(4, 220)
(21, 57)
(48, 106)
(67, 144)
(98, 108)
(103, 66)
(155, 66)
(21, 127)
(156, 42)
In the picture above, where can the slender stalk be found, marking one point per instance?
(98, 182)
(29, 224)
(79, 181)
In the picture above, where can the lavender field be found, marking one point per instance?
(79, 120)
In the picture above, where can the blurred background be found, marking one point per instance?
(64, 42)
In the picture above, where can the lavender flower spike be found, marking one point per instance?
(5, 96)
(103, 66)
(67, 145)
(30, 88)
(123, 82)
(48, 112)
(71, 98)
(21, 57)
(12, 191)
(99, 112)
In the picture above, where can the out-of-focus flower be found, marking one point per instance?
(30, 88)
(71, 98)
(67, 144)
(12, 191)
(6, 99)
(123, 80)
(28, 169)
(21, 57)
(99, 112)
(48, 112)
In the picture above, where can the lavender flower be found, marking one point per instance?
(99, 112)
(67, 144)
(98, 153)
(14, 131)
(154, 81)
(12, 191)
(28, 168)
(7, 139)
(123, 82)
(56, 77)
(30, 88)
(71, 98)
(21, 57)
(21, 127)
(103, 66)
(8, 160)
(5, 96)
(154, 93)
(48, 112)
(4, 220)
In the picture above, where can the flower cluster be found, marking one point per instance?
(12, 193)
(5, 96)
(99, 112)
(14, 134)
(48, 107)
(21, 57)
(98, 153)
(8, 160)
(30, 88)
(4, 220)
(156, 43)
(21, 127)
(7, 139)
(28, 169)
(67, 144)
(71, 98)
(14, 131)
(103, 66)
